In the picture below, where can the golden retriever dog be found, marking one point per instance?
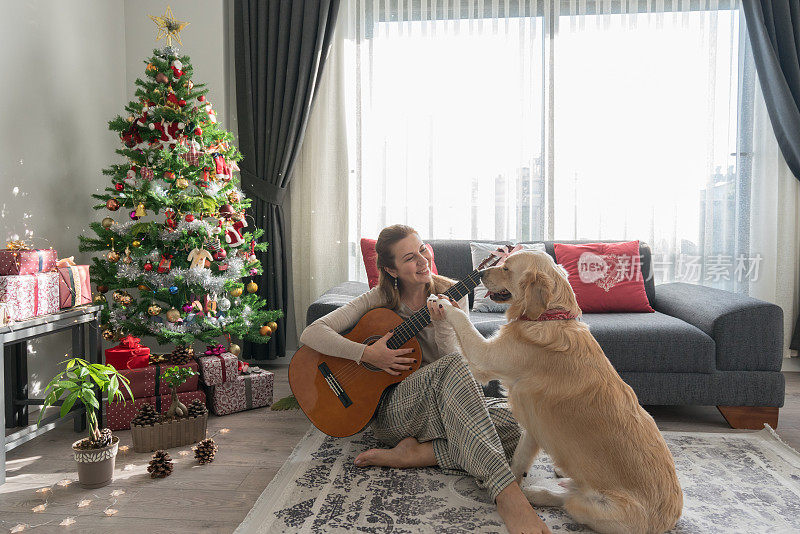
(571, 403)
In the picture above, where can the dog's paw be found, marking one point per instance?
(540, 496)
(439, 301)
(445, 305)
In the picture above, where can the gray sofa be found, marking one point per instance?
(702, 346)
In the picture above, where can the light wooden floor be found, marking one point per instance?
(216, 497)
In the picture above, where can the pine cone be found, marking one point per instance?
(182, 354)
(103, 441)
(147, 416)
(197, 408)
(161, 465)
(205, 451)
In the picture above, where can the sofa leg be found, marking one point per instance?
(751, 417)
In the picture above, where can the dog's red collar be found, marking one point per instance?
(551, 315)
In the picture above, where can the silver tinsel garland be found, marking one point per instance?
(131, 273)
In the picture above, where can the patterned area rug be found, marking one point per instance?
(732, 482)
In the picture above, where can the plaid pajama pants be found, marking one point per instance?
(443, 403)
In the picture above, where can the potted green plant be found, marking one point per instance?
(95, 454)
(179, 426)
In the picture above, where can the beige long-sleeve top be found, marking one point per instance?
(324, 335)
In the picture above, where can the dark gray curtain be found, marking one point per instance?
(774, 30)
(280, 47)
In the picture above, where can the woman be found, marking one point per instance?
(437, 415)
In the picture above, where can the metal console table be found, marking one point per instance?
(14, 346)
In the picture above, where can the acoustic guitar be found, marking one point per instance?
(340, 396)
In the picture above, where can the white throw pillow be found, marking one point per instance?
(480, 251)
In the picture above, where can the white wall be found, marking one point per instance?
(63, 66)
(68, 68)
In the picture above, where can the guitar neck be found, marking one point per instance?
(419, 320)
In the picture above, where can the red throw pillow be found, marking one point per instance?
(606, 277)
(370, 260)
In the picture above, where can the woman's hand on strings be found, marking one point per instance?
(390, 360)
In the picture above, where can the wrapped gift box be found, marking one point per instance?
(27, 261)
(129, 347)
(119, 416)
(245, 392)
(29, 295)
(148, 381)
(218, 368)
(74, 287)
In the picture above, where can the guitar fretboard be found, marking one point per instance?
(420, 319)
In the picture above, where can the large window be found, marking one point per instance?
(525, 120)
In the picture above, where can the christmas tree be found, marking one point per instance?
(178, 254)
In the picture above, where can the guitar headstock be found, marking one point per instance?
(498, 257)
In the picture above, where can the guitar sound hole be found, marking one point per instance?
(368, 366)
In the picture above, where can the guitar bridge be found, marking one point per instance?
(334, 384)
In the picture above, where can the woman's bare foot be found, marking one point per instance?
(517, 513)
(408, 453)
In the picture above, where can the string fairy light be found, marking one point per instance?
(48, 493)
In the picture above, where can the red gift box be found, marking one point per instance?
(27, 261)
(245, 392)
(148, 381)
(29, 295)
(218, 368)
(74, 287)
(129, 347)
(119, 416)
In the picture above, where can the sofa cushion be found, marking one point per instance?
(637, 342)
(652, 342)
(606, 277)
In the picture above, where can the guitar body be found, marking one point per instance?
(338, 395)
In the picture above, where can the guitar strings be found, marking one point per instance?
(347, 376)
(351, 371)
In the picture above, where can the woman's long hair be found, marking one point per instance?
(383, 246)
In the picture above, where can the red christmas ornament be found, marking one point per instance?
(119, 187)
(201, 98)
(189, 217)
(198, 131)
(177, 72)
(148, 266)
(165, 264)
(220, 254)
(181, 102)
(169, 176)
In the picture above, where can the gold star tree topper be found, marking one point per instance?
(169, 27)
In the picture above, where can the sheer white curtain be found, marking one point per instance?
(550, 119)
(775, 224)
(318, 194)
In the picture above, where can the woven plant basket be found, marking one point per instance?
(174, 433)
